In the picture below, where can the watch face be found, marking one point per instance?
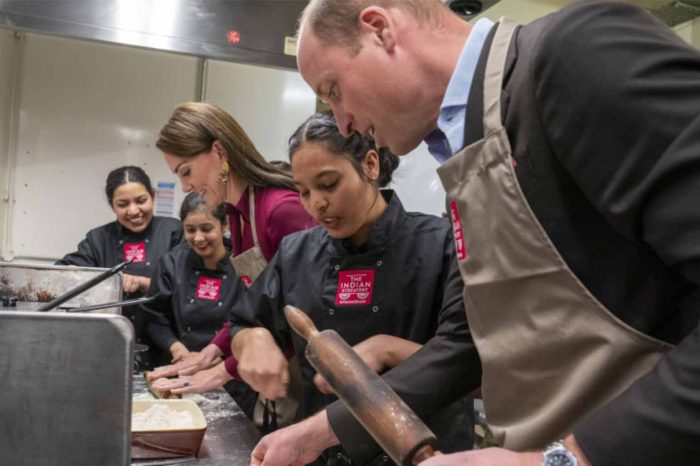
(559, 459)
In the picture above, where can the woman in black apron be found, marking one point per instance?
(196, 286)
(370, 269)
(136, 234)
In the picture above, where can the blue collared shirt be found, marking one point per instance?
(448, 138)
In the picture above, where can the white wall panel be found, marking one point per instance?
(7, 54)
(268, 103)
(86, 108)
(417, 183)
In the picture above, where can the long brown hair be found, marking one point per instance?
(194, 126)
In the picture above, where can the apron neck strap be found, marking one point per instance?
(251, 214)
(493, 77)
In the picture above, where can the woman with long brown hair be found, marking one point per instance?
(213, 156)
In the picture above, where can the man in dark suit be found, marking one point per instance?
(600, 105)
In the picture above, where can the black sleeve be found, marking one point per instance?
(262, 304)
(86, 255)
(176, 238)
(444, 370)
(160, 315)
(619, 94)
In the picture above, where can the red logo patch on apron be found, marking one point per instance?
(246, 281)
(208, 288)
(136, 251)
(458, 232)
(354, 287)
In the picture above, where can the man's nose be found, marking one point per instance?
(343, 121)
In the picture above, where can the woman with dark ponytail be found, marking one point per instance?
(381, 277)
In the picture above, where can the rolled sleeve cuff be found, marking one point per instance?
(231, 365)
(222, 340)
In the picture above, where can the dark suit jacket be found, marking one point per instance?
(602, 108)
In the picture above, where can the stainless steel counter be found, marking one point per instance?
(230, 436)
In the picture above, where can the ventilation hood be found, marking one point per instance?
(247, 31)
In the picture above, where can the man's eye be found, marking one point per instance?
(331, 92)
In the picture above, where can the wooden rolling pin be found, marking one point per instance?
(394, 426)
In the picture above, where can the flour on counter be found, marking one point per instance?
(160, 416)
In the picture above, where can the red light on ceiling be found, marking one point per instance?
(233, 37)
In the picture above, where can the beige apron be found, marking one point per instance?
(550, 352)
(249, 265)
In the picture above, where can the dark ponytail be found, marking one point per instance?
(321, 128)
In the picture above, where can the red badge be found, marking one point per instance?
(136, 251)
(246, 281)
(354, 287)
(208, 288)
(458, 232)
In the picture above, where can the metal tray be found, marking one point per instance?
(32, 284)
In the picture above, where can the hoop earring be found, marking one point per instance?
(223, 172)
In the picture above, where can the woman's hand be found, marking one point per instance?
(189, 365)
(201, 382)
(261, 363)
(178, 351)
(379, 352)
(135, 283)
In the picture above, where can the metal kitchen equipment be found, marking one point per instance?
(395, 427)
(73, 292)
(126, 302)
(66, 388)
(34, 285)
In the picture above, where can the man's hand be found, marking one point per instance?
(486, 457)
(501, 457)
(201, 382)
(295, 445)
(261, 364)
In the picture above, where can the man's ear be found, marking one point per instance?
(379, 22)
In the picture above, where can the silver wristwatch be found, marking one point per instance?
(556, 454)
